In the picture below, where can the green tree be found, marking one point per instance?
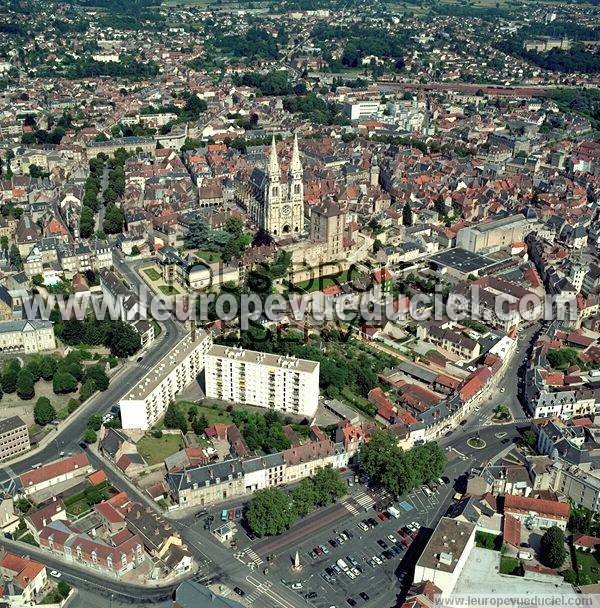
(304, 497)
(14, 257)
(407, 215)
(64, 382)
(98, 375)
(25, 385)
(90, 436)
(122, 339)
(553, 552)
(43, 412)
(88, 388)
(199, 424)
(529, 438)
(95, 422)
(175, 418)
(135, 250)
(63, 588)
(328, 486)
(48, 365)
(9, 380)
(270, 512)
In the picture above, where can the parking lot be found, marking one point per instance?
(360, 557)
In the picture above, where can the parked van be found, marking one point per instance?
(343, 566)
(224, 515)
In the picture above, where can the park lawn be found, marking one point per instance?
(168, 290)
(42, 389)
(152, 274)
(213, 414)
(154, 450)
(588, 568)
(208, 256)
(508, 564)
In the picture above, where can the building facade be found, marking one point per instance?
(287, 384)
(14, 437)
(148, 401)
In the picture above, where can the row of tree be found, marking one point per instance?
(272, 511)
(397, 470)
(120, 337)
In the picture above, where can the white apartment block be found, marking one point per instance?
(357, 110)
(143, 407)
(283, 383)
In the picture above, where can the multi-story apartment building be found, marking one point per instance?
(14, 437)
(27, 336)
(148, 400)
(265, 380)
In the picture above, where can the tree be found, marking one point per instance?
(407, 215)
(90, 436)
(328, 486)
(553, 552)
(304, 497)
(25, 385)
(15, 257)
(43, 412)
(135, 250)
(63, 588)
(48, 365)
(88, 388)
(98, 375)
(199, 424)
(175, 418)
(9, 380)
(95, 422)
(64, 382)
(122, 339)
(270, 512)
(529, 438)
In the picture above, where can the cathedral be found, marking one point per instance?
(275, 203)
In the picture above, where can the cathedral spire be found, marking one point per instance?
(295, 164)
(273, 169)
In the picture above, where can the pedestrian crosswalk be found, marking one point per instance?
(249, 557)
(358, 503)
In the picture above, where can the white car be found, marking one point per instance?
(56, 574)
(296, 586)
(502, 390)
(416, 525)
(477, 408)
(392, 538)
(377, 560)
(350, 575)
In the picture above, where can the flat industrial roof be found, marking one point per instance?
(268, 359)
(461, 259)
(449, 539)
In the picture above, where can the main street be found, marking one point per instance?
(69, 433)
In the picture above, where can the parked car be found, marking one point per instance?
(239, 591)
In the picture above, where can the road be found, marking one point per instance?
(69, 434)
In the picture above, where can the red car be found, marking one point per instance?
(414, 535)
(318, 550)
(231, 514)
(401, 532)
(381, 516)
(406, 542)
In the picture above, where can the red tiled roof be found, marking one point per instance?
(585, 540)
(548, 508)
(97, 477)
(54, 469)
(512, 530)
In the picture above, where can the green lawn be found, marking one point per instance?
(213, 414)
(168, 290)
(508, 565)
(152, 274)
(588, 568)
(155, 450)
(208, 256)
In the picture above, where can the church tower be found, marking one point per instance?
(283, 204)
